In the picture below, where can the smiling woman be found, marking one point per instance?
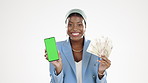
(76, 27)
(76, 64)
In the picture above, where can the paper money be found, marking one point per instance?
(100, 46)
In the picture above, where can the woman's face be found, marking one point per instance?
(75, 27)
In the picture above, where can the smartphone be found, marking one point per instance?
(52, 52)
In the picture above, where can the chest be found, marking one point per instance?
(77, 56)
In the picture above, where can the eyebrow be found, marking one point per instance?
(77, 22)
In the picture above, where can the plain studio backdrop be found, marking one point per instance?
(25, 23)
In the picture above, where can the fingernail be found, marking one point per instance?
(99, 61)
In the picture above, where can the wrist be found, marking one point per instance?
(58, 70)
(101, 74)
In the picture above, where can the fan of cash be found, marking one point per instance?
(100, 46)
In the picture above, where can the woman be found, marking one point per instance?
(76, 64)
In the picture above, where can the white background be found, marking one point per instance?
(25, 23)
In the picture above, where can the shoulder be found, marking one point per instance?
(86, 43)
(87, 40)
(60, 43)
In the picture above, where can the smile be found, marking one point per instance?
(75, 34)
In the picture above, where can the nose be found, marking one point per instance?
(75, 27)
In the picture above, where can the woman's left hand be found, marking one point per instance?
(104, 64)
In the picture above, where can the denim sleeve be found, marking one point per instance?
(103, 80)
(54, 77)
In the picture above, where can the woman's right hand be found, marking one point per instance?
(57, 63)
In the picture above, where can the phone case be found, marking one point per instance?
(52, 52)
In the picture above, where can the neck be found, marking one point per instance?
(77, 42)
(77, 45)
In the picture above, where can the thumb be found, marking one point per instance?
(59, 54)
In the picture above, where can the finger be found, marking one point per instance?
(59, 54)
(45, 55)
(108, 62)
(45, 51)
(106, 59)
(54, 62)
(104, 63)
(46, 58)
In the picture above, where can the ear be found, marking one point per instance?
(84, 30)
(85, 27)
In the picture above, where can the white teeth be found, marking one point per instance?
(75, 33)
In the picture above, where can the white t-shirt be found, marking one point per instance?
(79, 71)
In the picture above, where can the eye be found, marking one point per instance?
(69, 25)
(79, 24)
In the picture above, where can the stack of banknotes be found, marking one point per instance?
(100, 46)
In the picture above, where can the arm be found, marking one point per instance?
(104, 64)
(102, 79)
(55, 78)
(56, 72)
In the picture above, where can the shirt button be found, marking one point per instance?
(93, 76)
(94, 64)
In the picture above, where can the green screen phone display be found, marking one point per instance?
(52, 52)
